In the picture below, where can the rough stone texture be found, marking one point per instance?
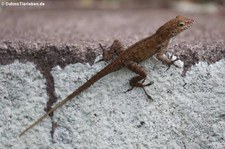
(186, 112)
(39, 55)
(74, 35)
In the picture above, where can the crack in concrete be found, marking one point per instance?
(45, 57)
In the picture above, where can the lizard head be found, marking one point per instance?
(175, 26)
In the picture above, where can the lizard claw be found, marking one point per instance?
(100, 60)
(172, 63)
(142, 86)
(148, 96)
(149, 84)
(100, 45)
(129, 89)
(103, 50)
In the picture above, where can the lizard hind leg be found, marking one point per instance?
(114, 51)
(138, 81)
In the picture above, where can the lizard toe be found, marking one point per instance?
(149, 97)
(149, 84)
(173, 63)
(130, 89)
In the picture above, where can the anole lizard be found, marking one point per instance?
(153, 45)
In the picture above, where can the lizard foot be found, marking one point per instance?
(100, 60)
(148, 96)
(172, 63)
(140, 85)
(103, 50)
(130, 89)
(149, 84)
(143, 87)
(114, 51)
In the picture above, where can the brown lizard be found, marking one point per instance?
(153, 45)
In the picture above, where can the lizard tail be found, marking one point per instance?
(83, 87)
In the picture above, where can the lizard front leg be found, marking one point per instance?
(165, 60)
(115, 50)
(138, 81)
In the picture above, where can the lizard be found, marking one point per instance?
(130, 57)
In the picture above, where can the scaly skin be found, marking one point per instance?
(154, 45)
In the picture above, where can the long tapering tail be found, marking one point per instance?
(108, 69)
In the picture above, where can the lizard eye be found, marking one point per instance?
(181, 24)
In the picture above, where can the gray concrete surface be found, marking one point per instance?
(45, 55)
